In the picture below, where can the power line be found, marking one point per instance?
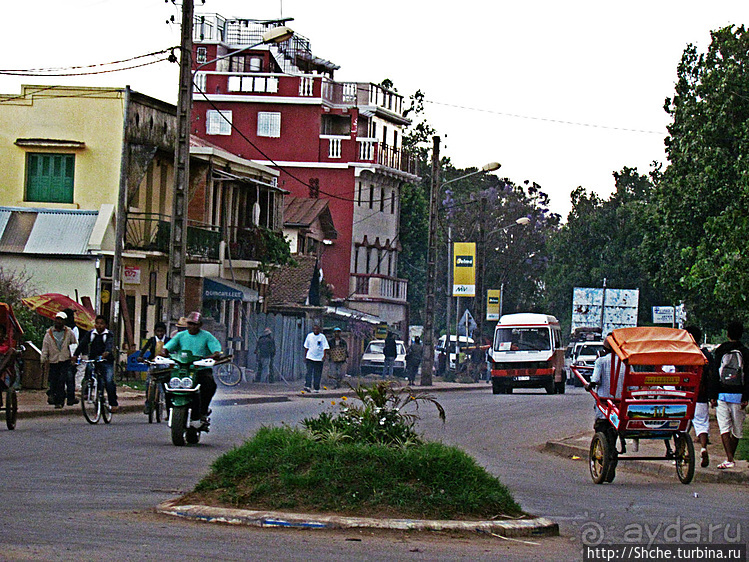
(64, 72)
(546, 119)
(271, 160)
(28, 72)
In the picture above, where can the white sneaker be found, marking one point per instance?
(196, 424)
(316, 391)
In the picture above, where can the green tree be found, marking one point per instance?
(414, 214)
(605, 239)
(14, 286)
(704, 193)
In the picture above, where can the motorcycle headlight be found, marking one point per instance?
(187, 382)
(174, 382)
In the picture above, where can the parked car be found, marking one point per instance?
(585, 355)
(462, 341)
(373, 358)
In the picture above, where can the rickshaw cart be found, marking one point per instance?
(9, 361)
(656, 373)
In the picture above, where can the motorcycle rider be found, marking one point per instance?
(202, 344)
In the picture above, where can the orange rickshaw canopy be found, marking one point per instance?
(655, 345)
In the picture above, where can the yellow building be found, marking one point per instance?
(65, 155)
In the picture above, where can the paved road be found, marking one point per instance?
(74, 491)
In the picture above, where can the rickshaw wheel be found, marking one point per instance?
(599, 458)
(685, 461)
(11, 408)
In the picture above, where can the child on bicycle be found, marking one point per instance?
(99, 343)
(153, 347)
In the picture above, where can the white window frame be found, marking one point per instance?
(269, 124)
(218, 122)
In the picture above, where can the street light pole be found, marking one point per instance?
(490, 167)
(180, 199)
(180, 196)
(428, 362)
(522, 221)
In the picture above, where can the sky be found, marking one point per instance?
(559, 93)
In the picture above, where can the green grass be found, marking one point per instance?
(287, 469)
(742, 451)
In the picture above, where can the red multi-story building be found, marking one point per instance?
(279, 105)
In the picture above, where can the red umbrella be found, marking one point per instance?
(49, 304)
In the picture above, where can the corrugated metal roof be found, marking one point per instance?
(4, 217)
(303, 211)
(61, 232)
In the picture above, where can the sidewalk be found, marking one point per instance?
(577, 447)
(33, 403)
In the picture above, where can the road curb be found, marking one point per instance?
(662, 469)
(534, 527)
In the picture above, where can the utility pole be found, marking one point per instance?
(481, 270)
(180, 196)
(428, 362)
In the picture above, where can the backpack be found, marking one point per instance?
(731, 370)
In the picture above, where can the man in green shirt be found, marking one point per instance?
(201, 344)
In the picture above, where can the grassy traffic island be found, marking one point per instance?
(365, 460)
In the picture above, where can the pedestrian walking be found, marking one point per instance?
(265, 351)
(57, 353)
(390, 351)
(414, 355)
(76, 371)
(316, 348)
(731, 392)
(701, 419)
(338, 357)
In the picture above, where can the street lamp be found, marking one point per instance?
(274, 35)
(426, 370)
(522, 221)
(489, 167)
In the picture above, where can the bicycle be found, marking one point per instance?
(94, 400)
(156, 405)
(227, 372)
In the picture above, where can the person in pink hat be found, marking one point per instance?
(200, 343)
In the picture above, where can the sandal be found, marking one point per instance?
(726, 464)
(705, 458)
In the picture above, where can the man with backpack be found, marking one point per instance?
(731, 390)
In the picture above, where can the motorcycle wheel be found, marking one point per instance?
(192, 435)
(179, 423)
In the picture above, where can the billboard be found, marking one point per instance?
(492, 304)
(464, 269)
(619, 310)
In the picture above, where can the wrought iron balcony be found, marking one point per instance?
(150, 232)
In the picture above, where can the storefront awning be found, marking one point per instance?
(216, 289)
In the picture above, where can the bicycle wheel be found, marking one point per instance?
(160, 403)
(229, 374)
(11, 408)
(106, 410)
(151, 401)
(90, 400)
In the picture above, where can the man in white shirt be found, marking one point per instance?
(316, 349)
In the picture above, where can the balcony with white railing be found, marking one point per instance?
(335, 144)
(378, 287)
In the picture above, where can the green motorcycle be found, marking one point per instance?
(179, 372)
